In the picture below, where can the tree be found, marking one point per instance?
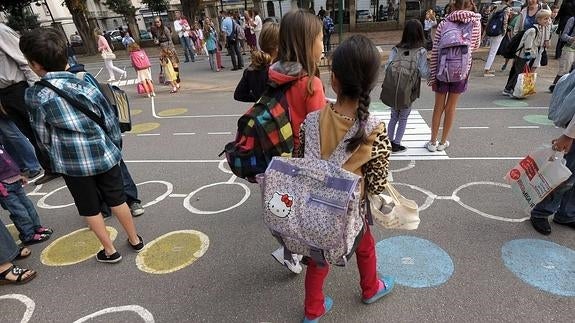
(125, 8)
(19, 16)
(78, 10)
(156, 6)
(190, 8)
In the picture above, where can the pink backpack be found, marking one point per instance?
(140, 60)
(454, 51)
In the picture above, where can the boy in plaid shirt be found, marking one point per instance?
(78, 147)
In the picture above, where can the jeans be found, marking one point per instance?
(315, 276)
(562, 200)
(493, 47)
(237, 60)
(111, 69)
(212, 59)
(516, 69)
(22, 211)
(326, 42)
(9, 249)
(397, 115)
(130, 189)
(18, 146)
(186, 44)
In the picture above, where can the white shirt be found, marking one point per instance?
(181, 26)
(258, 22)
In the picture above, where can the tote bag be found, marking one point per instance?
(394, 211)
(525, 85)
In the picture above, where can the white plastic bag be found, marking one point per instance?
(537, 175)
(525, 85)
(394, 211)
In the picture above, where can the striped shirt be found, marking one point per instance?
(77, 146)
(463, 16)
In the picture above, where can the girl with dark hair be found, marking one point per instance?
(411, 50)
(299, 51)
(447, 92)
(352, 79)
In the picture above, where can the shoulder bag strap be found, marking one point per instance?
(76, 104)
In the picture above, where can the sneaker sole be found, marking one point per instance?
(109, 261)
(279, 260)
(137, 213)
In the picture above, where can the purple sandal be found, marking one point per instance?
(36, 238)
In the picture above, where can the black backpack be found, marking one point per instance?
(495, 23)
(513, 46)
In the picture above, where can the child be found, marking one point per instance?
(447, 93)
(169, 70)
(501, 10)
(429, 23)
(255, 77)
(411, 42)
(528, 49)
(83, 151)
(299, 51)
(141, 64)
(353, 77)
(13, 198)
(211, 46)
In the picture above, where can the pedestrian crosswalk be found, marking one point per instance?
(417, 134)
(121, 83)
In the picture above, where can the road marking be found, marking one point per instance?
(172, 251)
(27, 301)
(523, 127)
(178, 195)
(74, 247)
(184, 133)
(471, 127)
(172, 112)
(42, 201)
(169, 190)
(99, 71)
(220, 133)
(147, 134)
(142, 312)
(144, 127)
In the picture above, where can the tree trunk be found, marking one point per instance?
(85, 32)
(133, 27)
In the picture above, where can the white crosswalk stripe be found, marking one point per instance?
(124, 82)
(417, 133)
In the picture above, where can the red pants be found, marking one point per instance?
(315, 276)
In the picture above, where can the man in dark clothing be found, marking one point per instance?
(566, 11)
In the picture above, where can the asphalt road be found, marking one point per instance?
(472, 259)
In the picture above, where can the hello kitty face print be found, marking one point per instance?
(280, 204)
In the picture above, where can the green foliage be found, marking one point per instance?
(123, 7)
(6, 5)
(19, 15)
(157, 5)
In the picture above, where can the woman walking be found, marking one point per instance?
(108, 56)
(249, 31)
(163, 37)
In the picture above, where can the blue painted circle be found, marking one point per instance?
(414, 262)
(543, 264)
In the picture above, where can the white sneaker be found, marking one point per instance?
(443, 146)
(431, 146)
(124, 75)
(293, 265)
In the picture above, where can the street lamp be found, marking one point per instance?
(44, 2)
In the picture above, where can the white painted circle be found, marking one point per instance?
(223, 168)
(192, 209)
(457, 199)
(27, 301)
(146, 316)
(408, 167)
(169, 190)
(42, 201)
(428, 200)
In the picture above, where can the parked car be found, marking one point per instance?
(145, 35)
(362, 16)
(115, 35)
(76, 40)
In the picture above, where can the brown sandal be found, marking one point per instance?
(24, 253)
(19, 273)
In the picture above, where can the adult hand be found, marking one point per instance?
(562, 143)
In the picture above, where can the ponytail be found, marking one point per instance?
(360, 136)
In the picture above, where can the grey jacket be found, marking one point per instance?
(13, 65)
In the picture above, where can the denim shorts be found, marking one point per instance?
(449, 87)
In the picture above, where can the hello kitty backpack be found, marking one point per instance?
(312, 206)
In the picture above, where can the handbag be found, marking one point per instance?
(394, 211)
(525, 85)
(140, 88)
(161, 76)
(108, 55)
(544, 58)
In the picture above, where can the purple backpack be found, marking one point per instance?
(454, 51)
(8, 167)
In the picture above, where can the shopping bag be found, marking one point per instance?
(394, 211)
(161, 76)
(140, 88)
(106, 54)
(170, 72)
(525, 85)
(537, 175)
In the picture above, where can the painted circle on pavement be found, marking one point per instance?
(172, 112)
(510, 103)
(144, 127)
(540, 119)
(135, 112)
(172, 251)
(74, 248)
(414, 262)
(543, 264)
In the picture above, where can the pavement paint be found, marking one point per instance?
(14, 233)
(511, 103)
(172, 112)
(144, 127)
(172, 251)
(540, 119)
(542, 264)
(27, 301)
(73, 248)
(135, 112)
(146, 316)
(414, 262)
(189, 207)
(42, 201)
(378, 106)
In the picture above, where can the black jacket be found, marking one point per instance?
(252, 85)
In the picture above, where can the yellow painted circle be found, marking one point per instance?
(135, 112)
(172, 112)
(14, 233)
(73, 248)
(172, 251)
(144, 127)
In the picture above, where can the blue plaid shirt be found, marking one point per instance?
(77, 146)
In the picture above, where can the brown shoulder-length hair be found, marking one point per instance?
(298, 32)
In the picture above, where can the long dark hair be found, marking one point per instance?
(356, 71)
(413, 36)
